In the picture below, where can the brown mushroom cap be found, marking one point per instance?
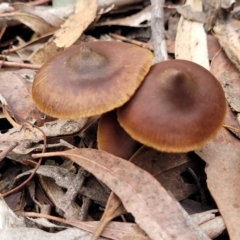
(178, 108)
(90, 79)
(112, 138)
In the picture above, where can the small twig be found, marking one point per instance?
(72, 191)
(158, 31)
(19, 65)
(35, 40)
(49, 217)
(7, 150)
(85, 208)
(138, 43)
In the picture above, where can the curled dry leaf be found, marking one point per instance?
(37, 24)
(223, 167)
(153, 208)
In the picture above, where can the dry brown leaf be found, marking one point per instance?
(166, 168)
(16, 91)
(74, 26)
(191, 39)
(229, 77)
(139, 192)
(42, 12)
(228, 36)
(223, 167)
(37, 24)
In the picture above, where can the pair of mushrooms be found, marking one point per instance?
(177, 108)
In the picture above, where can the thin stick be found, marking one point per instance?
(38, 2)
(35, 40)
(136, 42)
(158, 31)
(19, 65)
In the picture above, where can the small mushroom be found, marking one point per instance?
(112, 138)
(178, 108)
(90, 79)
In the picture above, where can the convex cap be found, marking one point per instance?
(178, 108)
(90, 79)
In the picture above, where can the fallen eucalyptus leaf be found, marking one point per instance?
(222, 157)
(153, 208)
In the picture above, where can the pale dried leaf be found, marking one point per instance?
(134, 20)
(74, 26)
(136, 193)
(223, 167)
(191, 39)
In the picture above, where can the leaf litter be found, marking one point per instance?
(42, 31)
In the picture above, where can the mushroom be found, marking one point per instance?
(178, 108)
(112, 138)
(90, 79)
